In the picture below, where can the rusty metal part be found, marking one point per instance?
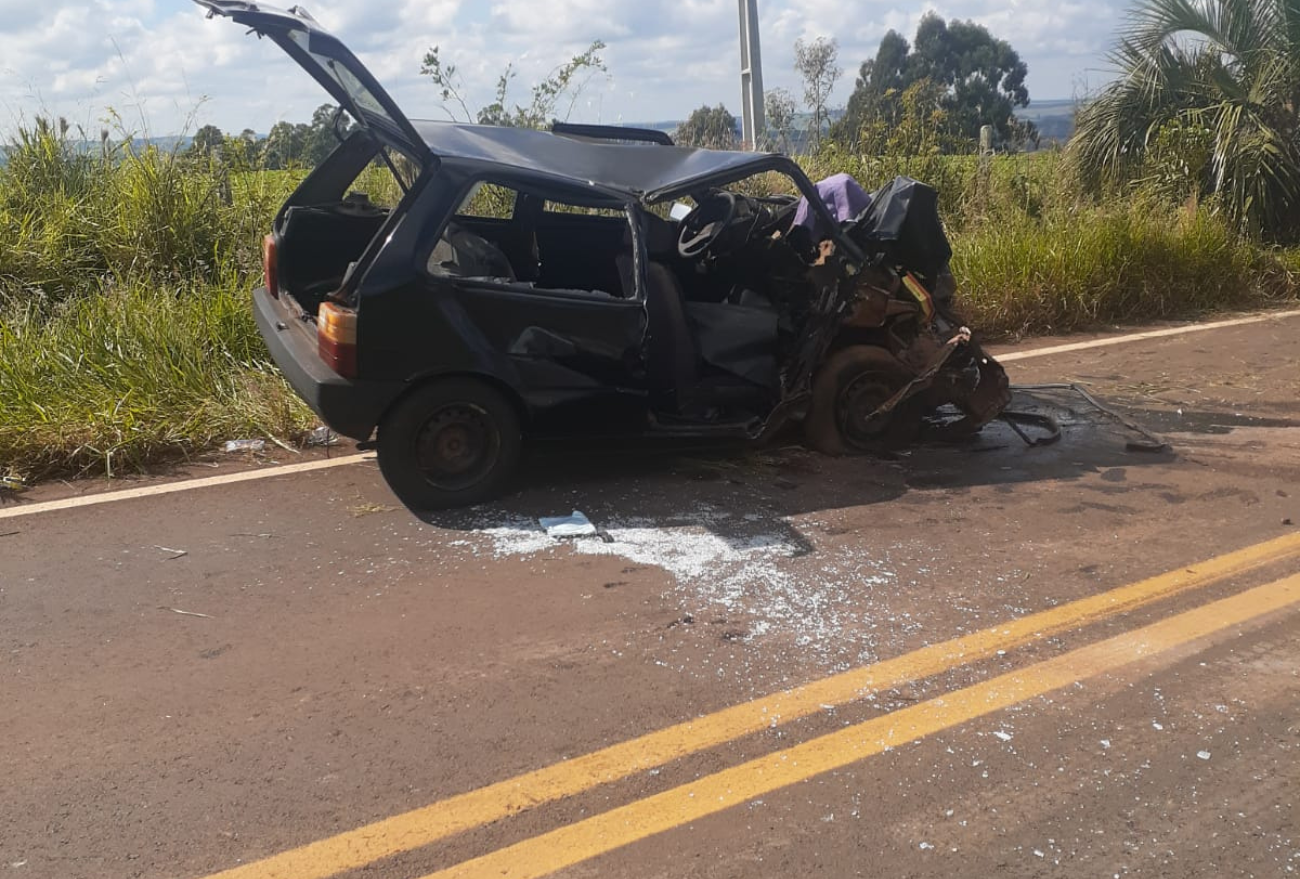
(918, 384)
(871, 310)
(991, 395)
(875, 293)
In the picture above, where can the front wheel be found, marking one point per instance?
(451, 443)
(853, 384)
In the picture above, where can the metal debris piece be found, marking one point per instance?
(176, 553)
(323, 437)
(1014, 420)
(1153, 443)
(961, 337)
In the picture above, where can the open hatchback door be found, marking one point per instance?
(331, 64)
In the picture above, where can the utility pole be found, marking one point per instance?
(751, 75)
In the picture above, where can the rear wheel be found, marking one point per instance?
(451, 443)
(848, 390)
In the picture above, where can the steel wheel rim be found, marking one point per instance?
(856, 403)
(457, 446)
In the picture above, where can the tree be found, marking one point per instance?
(778, 107)
(320, 139)
(560, 89)
(207, 141)
(818, 65)
(875, 107)
(284, 146)
(982, 79)
(242, 152)
(1212, 83)
(918, 124)
(709, 127)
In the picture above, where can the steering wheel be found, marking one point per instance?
(706, 223)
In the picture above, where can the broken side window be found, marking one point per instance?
(539, 240)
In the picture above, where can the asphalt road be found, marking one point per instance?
(1080, 660)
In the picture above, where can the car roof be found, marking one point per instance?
(648, 172)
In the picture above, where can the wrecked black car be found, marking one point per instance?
(599, 282)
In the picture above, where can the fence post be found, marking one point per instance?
(986, 162)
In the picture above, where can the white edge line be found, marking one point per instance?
(1013, 356)
(347, 460)
(175, 487)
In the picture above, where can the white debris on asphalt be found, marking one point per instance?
(573, 525)
(759, 570)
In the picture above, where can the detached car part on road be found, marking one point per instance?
(596, 281)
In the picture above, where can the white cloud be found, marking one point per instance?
(159, 61)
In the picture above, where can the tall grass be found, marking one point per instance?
(126, 337)
(70, 219)
(125, 332)
(1108, 264)
(135, 374)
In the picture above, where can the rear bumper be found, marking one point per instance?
(349, 407)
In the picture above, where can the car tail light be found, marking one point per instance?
(271, 265)
(336, 338)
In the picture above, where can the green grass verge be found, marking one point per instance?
(135, 375)
(1115, 264)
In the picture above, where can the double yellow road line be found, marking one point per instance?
(603, 833)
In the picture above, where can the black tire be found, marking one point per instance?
(450, 443)
(853, 382)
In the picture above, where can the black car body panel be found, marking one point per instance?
(350, 407)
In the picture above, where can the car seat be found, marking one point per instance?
(463, 254)
(672, 359)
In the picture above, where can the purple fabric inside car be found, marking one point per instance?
(843, 197)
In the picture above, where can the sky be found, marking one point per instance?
(158, 67)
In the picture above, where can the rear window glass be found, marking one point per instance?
(528, 241)
(367, 102)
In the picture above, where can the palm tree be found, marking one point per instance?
(1221, 73)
